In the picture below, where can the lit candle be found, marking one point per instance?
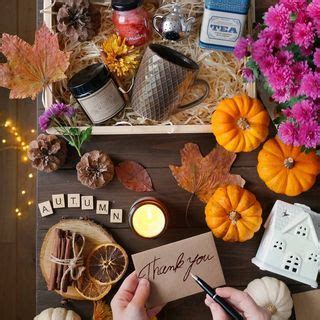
(148, 217)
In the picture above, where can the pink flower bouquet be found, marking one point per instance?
(285, 55)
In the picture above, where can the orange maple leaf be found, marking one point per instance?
(203, 175)
(29, 69)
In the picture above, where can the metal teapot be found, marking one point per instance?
(173, 25)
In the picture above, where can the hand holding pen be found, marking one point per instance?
(227, 303)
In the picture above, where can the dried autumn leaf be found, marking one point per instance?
(203, 175)
(29, 69)
(134, 176)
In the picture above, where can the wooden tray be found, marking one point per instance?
(94, 235)
(250, 89)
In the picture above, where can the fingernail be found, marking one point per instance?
(144, 282)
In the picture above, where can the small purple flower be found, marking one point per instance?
(288, 133)
(44, 122)
(281, 95)
(314, 13)
(57, 111)
(247, 74)
(243, 48)
(309, 134)
(303, 34)
(310, 85)
(316, 58)
(277, 17)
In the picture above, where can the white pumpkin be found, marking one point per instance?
(57, 314)
(273, 295)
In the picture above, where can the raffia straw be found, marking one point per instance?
(220, 69)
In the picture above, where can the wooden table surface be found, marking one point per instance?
(156, 152)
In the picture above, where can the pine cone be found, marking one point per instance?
(95, 169)
(78, 20)
(48, 153)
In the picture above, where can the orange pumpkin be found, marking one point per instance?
(233, 214)
(240, 124)
(286, 169)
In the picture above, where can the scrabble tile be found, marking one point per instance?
(87, 203)
(58, 201)
(74, 200)
(102, 207)
(116, 216)
(45, 208)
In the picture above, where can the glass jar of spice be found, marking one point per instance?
(131, 21)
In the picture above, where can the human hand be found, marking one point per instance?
(241, 301)
(129, 302)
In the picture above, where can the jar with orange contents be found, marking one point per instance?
(131, 21)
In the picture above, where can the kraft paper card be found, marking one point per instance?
(168, 268)
(307, 305)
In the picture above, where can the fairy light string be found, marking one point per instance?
(12, 139)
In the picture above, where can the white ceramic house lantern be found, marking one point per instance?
(290, 245)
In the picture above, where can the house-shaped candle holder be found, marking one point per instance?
(290, 244)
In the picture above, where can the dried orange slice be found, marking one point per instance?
(107, 263)
(90, 289)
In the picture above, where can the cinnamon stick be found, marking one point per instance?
(67, 255)
(54, 267)
(61, 256)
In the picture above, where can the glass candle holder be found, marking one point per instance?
(148, 218)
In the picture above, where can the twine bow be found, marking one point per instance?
(75, 264)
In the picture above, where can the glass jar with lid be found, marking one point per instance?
(131, 21)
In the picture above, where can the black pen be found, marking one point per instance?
(223, 303)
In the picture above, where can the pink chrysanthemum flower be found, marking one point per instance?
(277, 17)
(243, 48)
(310, 85)
(303, 34)
(267, 65)
(281, 95)
(281, 77)
(303, 111)
(294, 5)
(247, 74)
(309, 134)
(313, 10)
(314, 13)
(274, 38)
(288, 133)
(316, 58)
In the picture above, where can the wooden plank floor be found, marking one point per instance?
(17, 237)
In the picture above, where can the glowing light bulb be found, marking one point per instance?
(17, 210)
(7, 123)
(23, 192)
(18, 139)
(30, 203)
(23, 143)
(33, 131)
(30, 175)
(19, 214)
(25, 158)
(14, 128)
(4, 141)
(16, 133)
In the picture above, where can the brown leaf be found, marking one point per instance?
(203, 175)
(134, 176)
(29, 69)
(101, 311)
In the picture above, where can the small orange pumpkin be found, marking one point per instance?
(240, 124)
(286, 169)
(233, 214)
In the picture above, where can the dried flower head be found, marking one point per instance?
(120, 58)
(95, 169)
(47, 153)
(78, 20)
